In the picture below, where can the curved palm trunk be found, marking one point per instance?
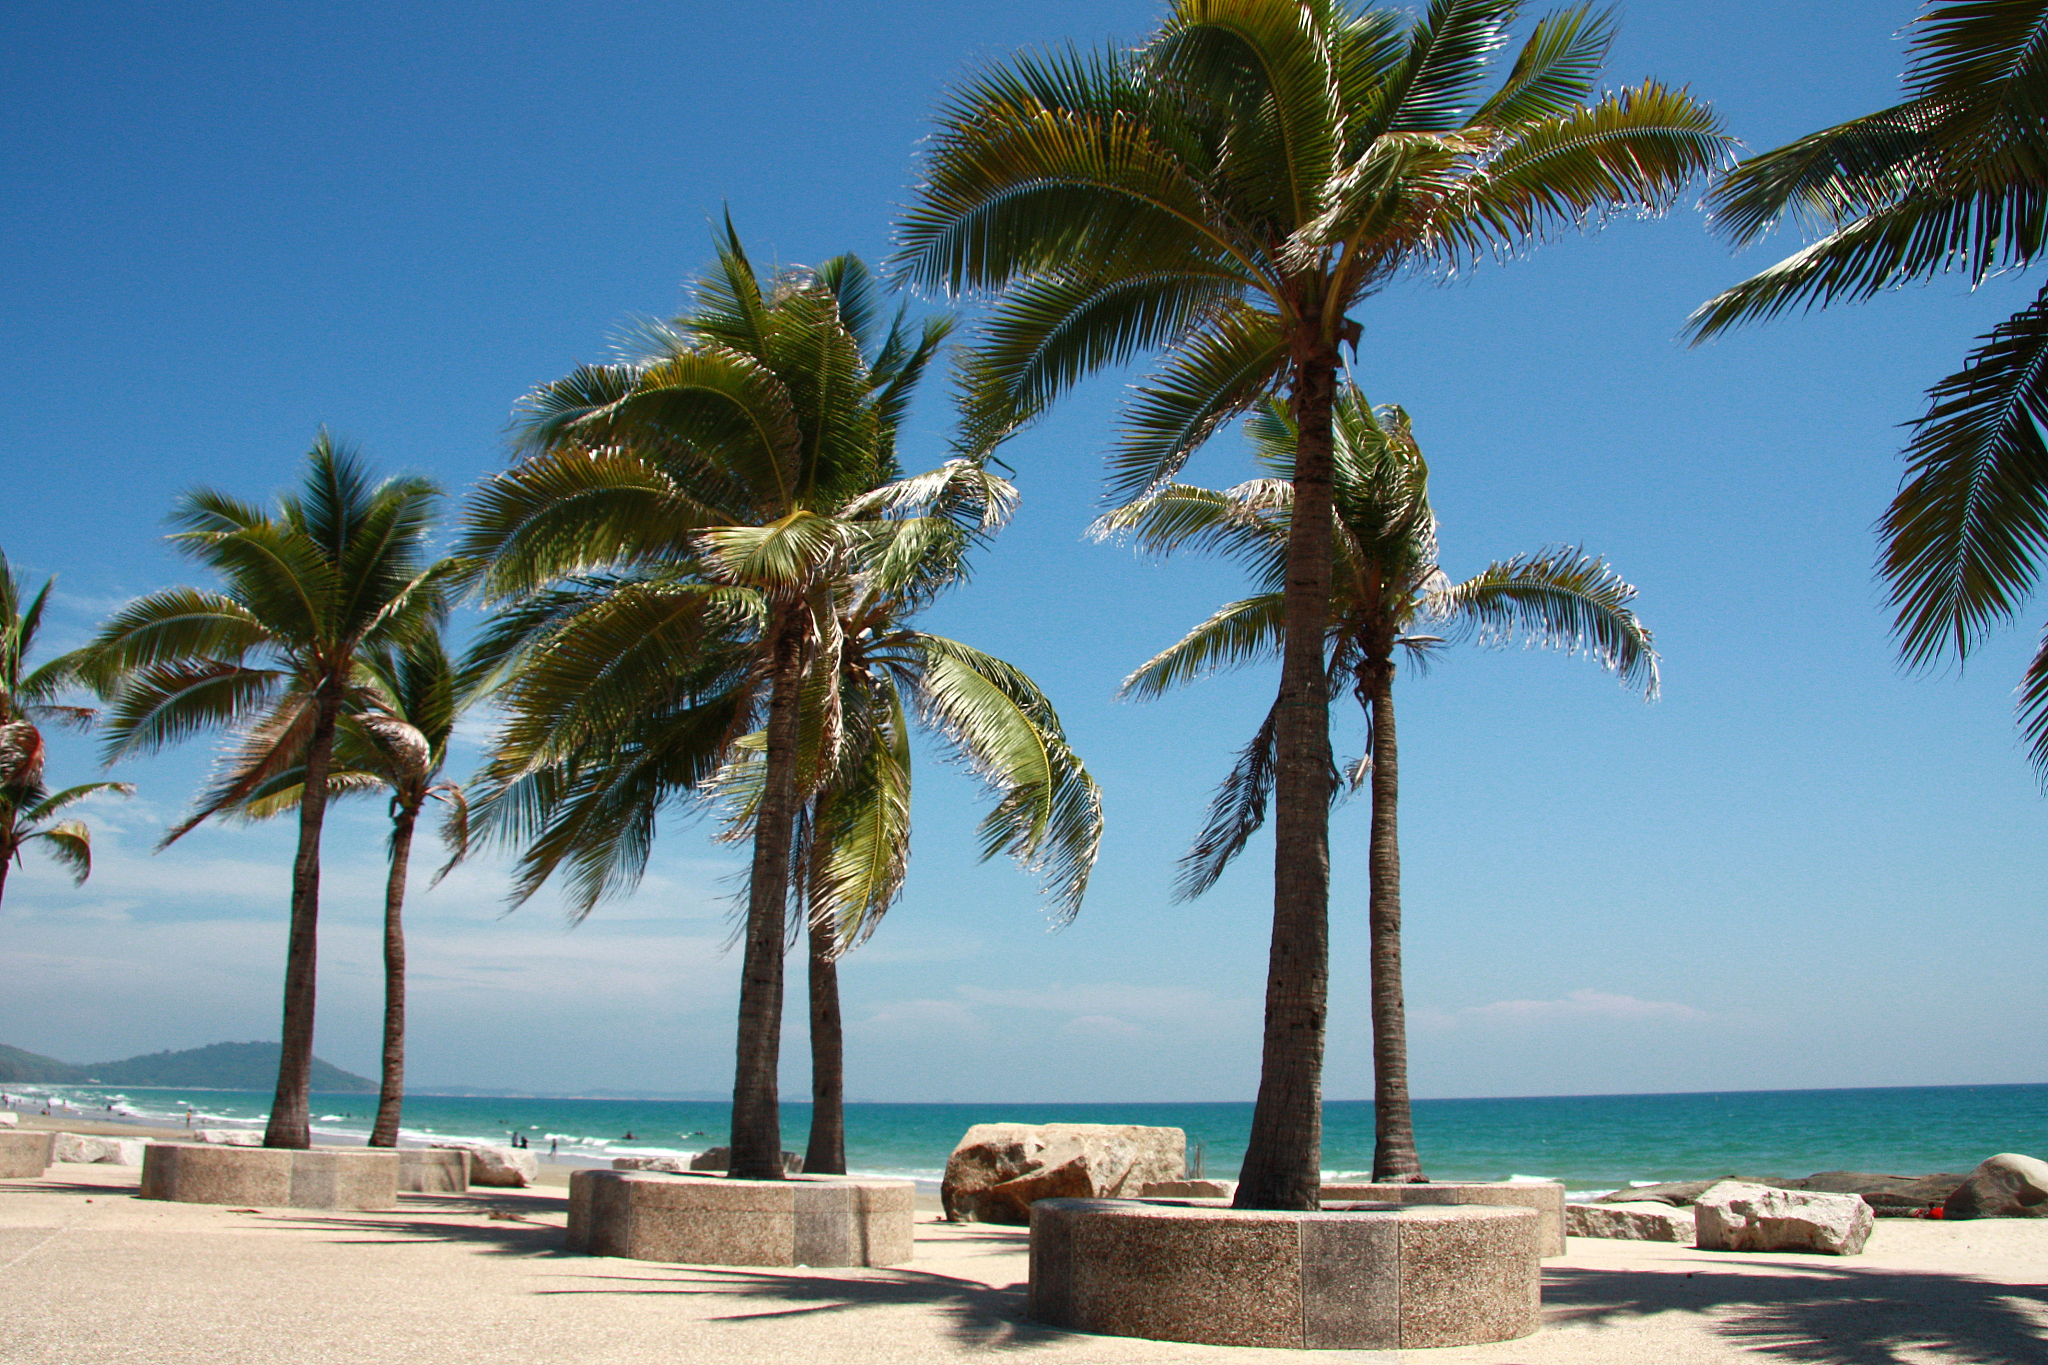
(756, 1115)
(391, 1097)
(1283, 1160)
(826, 1152)
(290, 1116)
(1393, 1153)
(5, 859)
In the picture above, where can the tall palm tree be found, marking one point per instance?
(27, 696)
(309, 592)
(1386, 584)
(1949, 179)
(394, 738)
(1231, 192)
(853, 846)
(668, 560)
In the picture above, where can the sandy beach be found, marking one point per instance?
(90, 1273)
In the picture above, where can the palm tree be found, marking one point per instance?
(28, 695)
(394, 738)
(1947, 180)
(668, 560)
(853, 846)
(1386, 583)
(338, 572)
(1230, 192)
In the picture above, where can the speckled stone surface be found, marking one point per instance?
(23, 1155)
(357, 1178)
(1469, 1273)
(200, 1173)
(344, 1178)
(426, 1170)
(1370, 1277)
(711, 1220)
(1544, 1196)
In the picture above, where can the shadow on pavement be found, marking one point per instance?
(976, 1314)
(1823, 1315)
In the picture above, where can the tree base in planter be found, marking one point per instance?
(359, 1178)
(23, 1156)
(1544, 1196)
(712, 1220)
(1373, 1277)
(432, 1170)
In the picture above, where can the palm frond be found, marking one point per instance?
(1563, 599)
(1239, 633)
(1965, 535)
(1235, 813)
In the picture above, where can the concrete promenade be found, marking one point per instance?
(89, 1273)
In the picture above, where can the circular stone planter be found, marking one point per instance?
(714, 1220)
(1372, 1277)
(1544, 1196)
(358, 1178)
(23, 1155)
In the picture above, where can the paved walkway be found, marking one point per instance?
(91, 1274)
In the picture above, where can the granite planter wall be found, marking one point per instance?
(1373, 1277)
(359, 1178)
(712, 1220)
(23, 1155)
(1544, 1196)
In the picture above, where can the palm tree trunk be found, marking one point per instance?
(5, 859)
(1283, 1160)
(391, 1097)
(1393, 1154)
(826, 1152)
(290, 1115)
(756, 1113)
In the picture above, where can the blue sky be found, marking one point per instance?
(228, 225)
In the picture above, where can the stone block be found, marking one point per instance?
(2009, 1185)
(1734, 1216)
(674, 1165)
(1649, 1221)
(208, 1173)
(712, 1160)
(229, 1137)
(90, 1148)
(708, 1220)
(999, 1170)
(8, 1118)
(1189, 1189)
(508, 1168)
(1544, 1196)
(345, 1178)
(271, 1177)
(1371, 1277)
(424, 1170)
(23, 1155)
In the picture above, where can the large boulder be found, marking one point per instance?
(718, 1160)
(2008, 1185)
(673, 1165)
(1735, 1216)
(229, 1137)
(1000, 1169)
(87, 1149)
(1678, 1194)
(511, 1168)
(8, 1118)
(1646, 1221)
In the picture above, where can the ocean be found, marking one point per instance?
(1593, 1143)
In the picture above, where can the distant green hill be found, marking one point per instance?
(27, 1068)
(220, 1066)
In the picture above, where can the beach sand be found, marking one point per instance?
(89, 1273)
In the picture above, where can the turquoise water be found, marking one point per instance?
(1590, 1142)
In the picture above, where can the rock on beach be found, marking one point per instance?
(999, 1169)
(1643, 1221)
(87, 1149)
(1734, 1216)
(2008, 1185)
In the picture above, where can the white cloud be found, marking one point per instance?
(1574, 1007)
